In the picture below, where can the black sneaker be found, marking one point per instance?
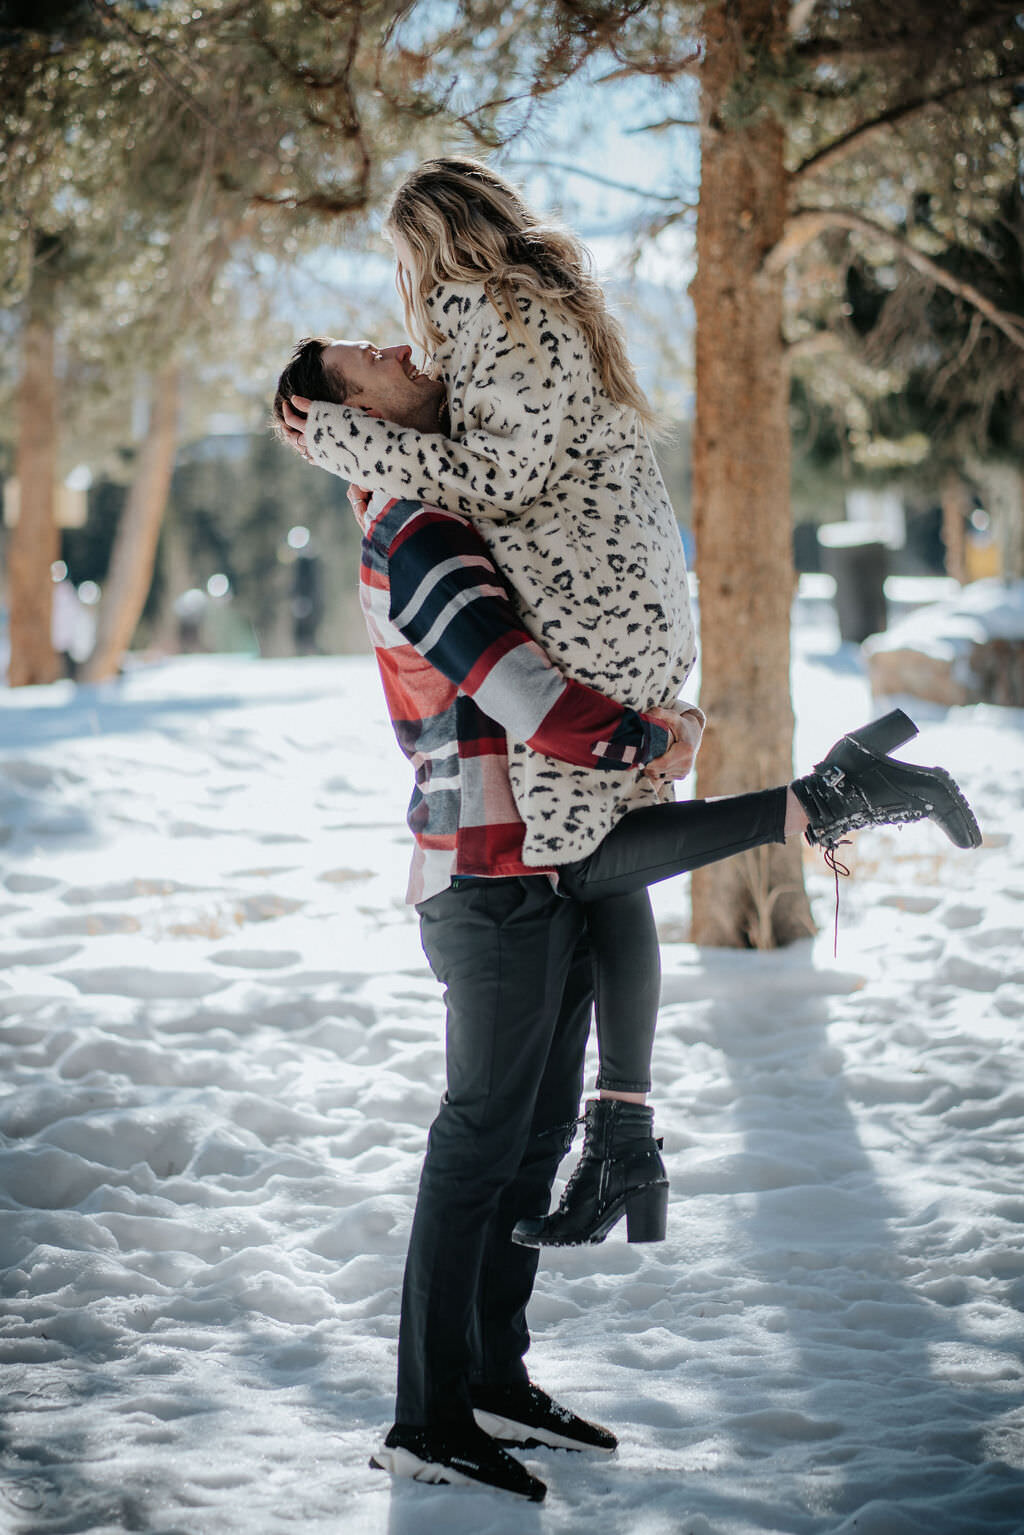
(452, 1456)
(524, 1415)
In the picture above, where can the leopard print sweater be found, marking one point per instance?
(562, 484)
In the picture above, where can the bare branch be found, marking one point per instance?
(805, 224)
(814, 345)
(666, 122)
(659, 69)
(955, 364)
(824, 158)
(603, 181)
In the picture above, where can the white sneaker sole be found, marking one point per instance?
(520, 1433)
(405, 1463)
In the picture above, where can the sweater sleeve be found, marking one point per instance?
(513, 397)
(450, 603)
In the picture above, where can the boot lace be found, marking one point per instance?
(838, 867)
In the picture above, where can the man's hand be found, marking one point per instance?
(678, 761)
(295, 414)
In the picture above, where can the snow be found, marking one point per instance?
(221, 1048)
(984, 611)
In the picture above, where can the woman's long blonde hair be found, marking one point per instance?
(461, 222)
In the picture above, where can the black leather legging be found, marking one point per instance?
(642, 849)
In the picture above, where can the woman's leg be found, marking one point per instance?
(661, 841)
(627, 986)
(620, 1171)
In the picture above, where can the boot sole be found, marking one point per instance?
(958, 821)
(640, 1227)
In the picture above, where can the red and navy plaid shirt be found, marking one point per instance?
(461, 675)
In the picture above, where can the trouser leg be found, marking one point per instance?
(508, 1270)
(504, 951)
(643, 848)
(627, 988)
(660, 841)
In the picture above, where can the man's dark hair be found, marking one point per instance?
(307, 375)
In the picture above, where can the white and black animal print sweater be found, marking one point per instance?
(562, 484)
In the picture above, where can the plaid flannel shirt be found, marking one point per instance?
(461, 676)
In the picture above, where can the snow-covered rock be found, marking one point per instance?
(968, 649)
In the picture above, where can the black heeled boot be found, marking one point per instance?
(620, 1172)
(858, 784)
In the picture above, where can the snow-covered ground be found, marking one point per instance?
(220, 1052)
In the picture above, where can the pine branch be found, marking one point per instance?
(805, 224)
(824, 158)
(964, 32)
(108, 13)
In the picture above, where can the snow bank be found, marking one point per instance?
(983, 611)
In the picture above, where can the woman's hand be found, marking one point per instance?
(295, 413)
(359, 500)
(687, 729)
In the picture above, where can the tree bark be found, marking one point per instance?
(1002, 489)
(956, 507)
(35, 542)
(742, 518)
(138, 532)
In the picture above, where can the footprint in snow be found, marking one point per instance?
(960, 914)
(257, 959)
(125, 890)
(29, 884)
(46, 954)
(920, 905)
(135, 981)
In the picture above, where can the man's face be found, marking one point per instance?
(383, 382)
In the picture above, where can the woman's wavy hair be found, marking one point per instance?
(462, 222)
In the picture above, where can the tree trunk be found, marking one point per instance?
(138, 532)
(1002, 490)
(35, 542)
(742, 519)
(956, 507)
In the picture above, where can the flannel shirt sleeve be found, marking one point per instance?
(449, 601)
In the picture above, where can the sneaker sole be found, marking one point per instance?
(404, 1463)
(527, 1437)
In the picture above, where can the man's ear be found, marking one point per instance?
(376, 414)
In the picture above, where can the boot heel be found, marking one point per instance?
(884, 735)
(647, 1213)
